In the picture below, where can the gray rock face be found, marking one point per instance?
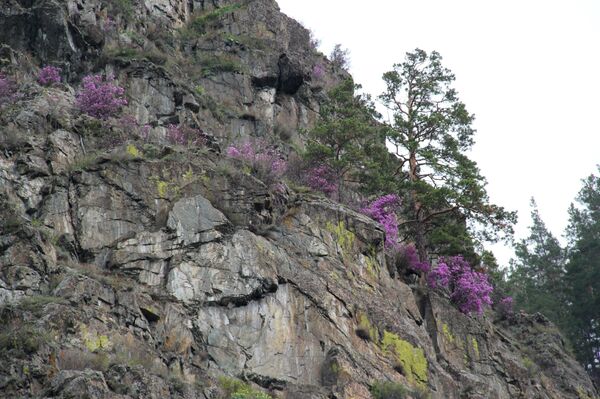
(134, 268)
(195, 220)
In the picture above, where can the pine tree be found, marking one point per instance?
(537, 274)
(583, 274)
(346, 138)
(431, 132)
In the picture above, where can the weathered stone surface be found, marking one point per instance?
(9, 296)
(79, 384)
(22, 278)
(224, 273)
(194, 220)
(64, 149)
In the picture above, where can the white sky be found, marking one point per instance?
(528, 69)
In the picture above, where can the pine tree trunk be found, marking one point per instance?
(419, 230)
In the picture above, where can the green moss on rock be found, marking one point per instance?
(236, 389)
(411, 359)
(365, 329)
(93, 341)
(475, 346)
(447, 333)
(372, 267)
(344, 237)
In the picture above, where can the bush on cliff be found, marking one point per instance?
(100, 97)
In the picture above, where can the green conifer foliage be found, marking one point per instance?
(583, 274)
(431, 132)
(346, 136)
(537, 274)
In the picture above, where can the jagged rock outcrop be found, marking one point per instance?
(136, 269)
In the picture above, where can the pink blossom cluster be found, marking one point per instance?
(383, 210)
(318, 72)
(49, 75)
(412, 258)
(7, 89)
(100, 97)
(130, 124)
(505, 306)
(469, 290)
(184, 135)
(322, 178)
(266, 161)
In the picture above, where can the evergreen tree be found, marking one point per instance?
(346, 138)
(497, 275)
(583, 274)
(537, 274)
(430, 132)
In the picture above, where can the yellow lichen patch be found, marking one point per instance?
(92, 341)
(162, 187)
(529, 365)
(133, 151)
(475, 346)
(447, 334)
(205, 179)
(365, 329)
(188, 176)
(344, 237)
(411, 359)
(166, 188)
(372, 267)
(583, 395)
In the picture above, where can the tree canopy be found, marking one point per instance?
(346, 138)
(537, 273)
(431, 131)
(583, 273)
(562, 283)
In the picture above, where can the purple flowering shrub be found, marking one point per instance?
(322, 178)
(7, 89)
(264, 161)
(185, 135)
(505, 306)
(383, 210)
(318, 72)
(469, 290)
(411, 257)
(312, 174)
(100, 97)
(129, 124)
(49, 75)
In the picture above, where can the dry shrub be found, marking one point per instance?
(75, 359)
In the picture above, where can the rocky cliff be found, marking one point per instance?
(131, 267)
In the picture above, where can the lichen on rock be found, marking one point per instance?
(410, 359)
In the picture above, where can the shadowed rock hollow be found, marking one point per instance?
(134, 268)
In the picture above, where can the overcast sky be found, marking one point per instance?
(528, 69)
